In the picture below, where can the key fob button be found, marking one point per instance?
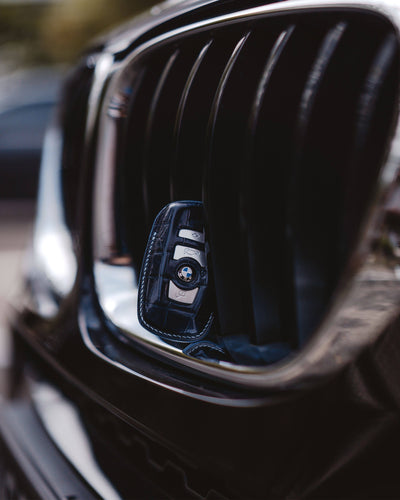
(182, 252)
(179, 295)
(189, 234)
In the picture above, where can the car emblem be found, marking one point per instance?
(185, 274)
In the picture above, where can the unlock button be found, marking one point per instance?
(179, 295)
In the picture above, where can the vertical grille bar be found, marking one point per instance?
(311, 253)
(265, 241)
(374, 105)
(220, 194)
(130, 181)
(174, 176)
(147, 171)
(190, 153)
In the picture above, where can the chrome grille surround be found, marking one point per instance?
(369, 296)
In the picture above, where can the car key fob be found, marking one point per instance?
(174, 299)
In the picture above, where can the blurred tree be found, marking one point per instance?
(19, 42)
(56, 32)
(67, 26)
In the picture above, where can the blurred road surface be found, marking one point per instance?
(16, 219)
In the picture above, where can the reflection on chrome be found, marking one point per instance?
(117, 290)
(52, 257)
(58, 414)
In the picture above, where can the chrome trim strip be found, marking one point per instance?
(389, 9)
(239, 402)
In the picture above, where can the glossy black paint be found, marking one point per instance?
(334, 440)
(39, 471)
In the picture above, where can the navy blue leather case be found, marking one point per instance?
(174, 300)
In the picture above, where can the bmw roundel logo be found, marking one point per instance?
(185, 273)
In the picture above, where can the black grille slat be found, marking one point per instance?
(190, 155)
(380, 67)
(325, 135)
(120, 202)
(151, 162)
(160, 144)
(375, 101)
(134, 208)
(310, 254)
(272, 61)
(266, 301)
(179, 123)
(221, 87)
(222, 212)
(317, 73)
(275, 119)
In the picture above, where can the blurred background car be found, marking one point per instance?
(27, 102)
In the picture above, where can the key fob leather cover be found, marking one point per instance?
(174, 299)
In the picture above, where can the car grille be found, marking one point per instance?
(280, 125)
